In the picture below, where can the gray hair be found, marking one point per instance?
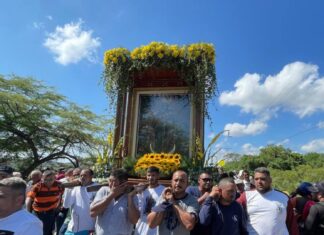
(16, 184)
(36, 172)
(225, 181)
(262, 170)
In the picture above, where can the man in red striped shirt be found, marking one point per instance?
(44, 198)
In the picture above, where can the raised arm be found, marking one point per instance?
(205, 213)
(202, 198)
(100, 205)
(154, 219)
(186, 218)
(132, 211)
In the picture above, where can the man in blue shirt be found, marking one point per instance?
(222, 212)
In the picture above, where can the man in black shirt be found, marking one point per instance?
(222, 212)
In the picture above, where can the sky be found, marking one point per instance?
(269, 58)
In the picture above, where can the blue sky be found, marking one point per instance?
(269, 58)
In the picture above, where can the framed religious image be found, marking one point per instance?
(163, 122)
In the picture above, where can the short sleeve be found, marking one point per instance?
(193, 207)
(104, 191)
(68, 199)
(32, 193)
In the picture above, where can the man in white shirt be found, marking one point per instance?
(115, 207)
(147, 200)
(79, 200)
(269, 211)
(13, 218)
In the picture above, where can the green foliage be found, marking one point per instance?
(38, 125)
(288, 169)
(288, 180)
(272, 156)
(314, 159)
(201, 159)
(128, 164)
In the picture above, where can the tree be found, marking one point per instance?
(38, 125)
(278, 157)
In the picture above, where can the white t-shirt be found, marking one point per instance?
(21, 223)
(147, 200)
(79, 200)
(114, 220)
(247, 185)
(266, 212)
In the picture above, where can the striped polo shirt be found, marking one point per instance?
(44, 198)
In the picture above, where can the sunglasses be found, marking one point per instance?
(206, 179)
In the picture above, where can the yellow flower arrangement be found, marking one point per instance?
(166, 162)
(195, 64)
(161, 50)
(116, 55)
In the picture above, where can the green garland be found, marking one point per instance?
(195, 63)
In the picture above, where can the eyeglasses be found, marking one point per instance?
(206, 179)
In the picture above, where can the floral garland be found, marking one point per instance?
(195, 64)
(166, 162)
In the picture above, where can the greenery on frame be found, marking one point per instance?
(195, 63)
(202, 159)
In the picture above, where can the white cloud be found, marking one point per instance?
(71, 43)
(249, 149)
(253, 128)
(38, 25)
(49, 17)
(316, 145)
(296, 88)
(320, 124)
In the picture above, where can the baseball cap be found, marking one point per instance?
(319, 187)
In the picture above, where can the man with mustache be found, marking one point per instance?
(269, 211)
(201, 192)
(177, 211)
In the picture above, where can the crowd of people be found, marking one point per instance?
(69, 202)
